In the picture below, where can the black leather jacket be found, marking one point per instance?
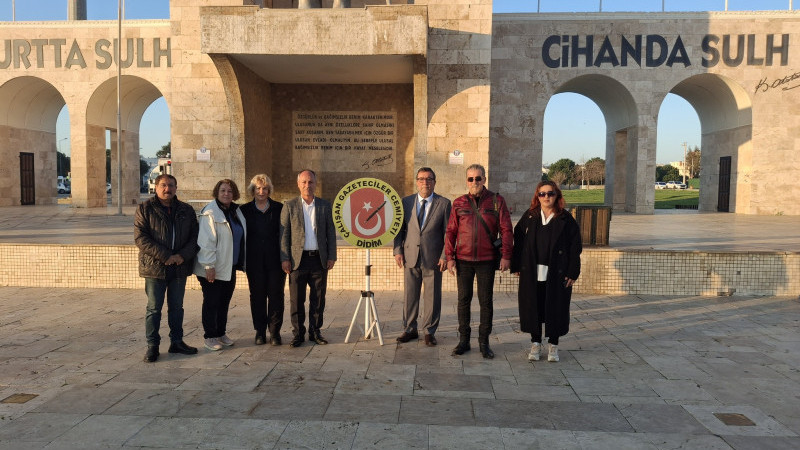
(153, 234)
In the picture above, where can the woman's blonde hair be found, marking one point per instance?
(259, 179)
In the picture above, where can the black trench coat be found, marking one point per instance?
(565, 261)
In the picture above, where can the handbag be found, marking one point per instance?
(497, 242)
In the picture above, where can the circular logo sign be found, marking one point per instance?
(367, 213)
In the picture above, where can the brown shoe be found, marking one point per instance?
(405, 337)
(430, 340)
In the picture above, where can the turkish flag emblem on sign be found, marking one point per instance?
(368, 213)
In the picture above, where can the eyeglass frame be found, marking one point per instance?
(477, 179)
(543, 194)
(428, 179)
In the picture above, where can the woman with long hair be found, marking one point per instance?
(547, 249)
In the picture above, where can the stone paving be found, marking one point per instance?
(635, 373)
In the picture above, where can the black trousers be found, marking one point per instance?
(309, 274)
(267, 299)
(216, 301)
(541, 295)
(466, 273)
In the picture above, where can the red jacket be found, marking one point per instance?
(466, 238)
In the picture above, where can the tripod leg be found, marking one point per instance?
(377, 323)
(353, 322)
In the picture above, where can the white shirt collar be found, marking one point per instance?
(546, 220)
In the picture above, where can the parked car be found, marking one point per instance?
(661, 185)
(108, 188)
(63, 188)
(675, 185)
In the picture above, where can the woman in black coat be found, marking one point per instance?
(547, 249)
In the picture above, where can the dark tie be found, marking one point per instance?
(421, 213)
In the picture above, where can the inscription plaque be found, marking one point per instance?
(345, 141)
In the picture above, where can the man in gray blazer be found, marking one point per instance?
(308, 252)
(419, 247)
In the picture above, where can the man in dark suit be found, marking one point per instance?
(308, 252)
(419, 247)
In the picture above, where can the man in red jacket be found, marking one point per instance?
(477, 220)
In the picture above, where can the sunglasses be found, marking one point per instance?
(544, 194)
(477, 179)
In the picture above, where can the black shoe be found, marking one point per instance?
(275, 340)
(261, 338)
(486, 351)
(406, 336)
(318, 339)
(461, 348)
(296, 342)
(152, 353)
(181, 347)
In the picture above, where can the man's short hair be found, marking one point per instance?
(477, 167)
(165, 175)
(313, 174)
(427, 169)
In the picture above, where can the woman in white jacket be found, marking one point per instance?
(223, 231)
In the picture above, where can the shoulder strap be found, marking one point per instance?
(478, 213)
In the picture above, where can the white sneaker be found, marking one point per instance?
(225, 340)
(213, 344)
(552, 354)
(536, 352)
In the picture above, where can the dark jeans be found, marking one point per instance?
(310, 273)
(156, 290)
(266, 299)
(216, 300)
(466, 272)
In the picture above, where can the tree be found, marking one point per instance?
(108, 165)
(595, 170)
(62, 164)
(166, 151)
(561, 171)
(667, 172)
(693, 162)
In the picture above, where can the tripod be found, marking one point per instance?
(371, 322)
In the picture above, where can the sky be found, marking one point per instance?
(574, 127)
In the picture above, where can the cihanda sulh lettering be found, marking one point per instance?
(56, 53)
(654, 50)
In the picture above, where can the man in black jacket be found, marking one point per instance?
(165, 231)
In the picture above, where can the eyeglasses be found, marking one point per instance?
(428, 180)
(477, 179)
(544, 194)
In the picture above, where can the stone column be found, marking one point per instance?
(76, 10)
(308, 4)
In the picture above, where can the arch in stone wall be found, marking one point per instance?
(29, 108)
(726, 122)
(137, 94)
(621, 115)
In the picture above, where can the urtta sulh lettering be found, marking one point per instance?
(56, 53)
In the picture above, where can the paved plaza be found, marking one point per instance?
(635, 373)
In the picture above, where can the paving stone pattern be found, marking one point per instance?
(636, 372)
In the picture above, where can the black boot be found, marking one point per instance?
(462, 347)
(486, 352)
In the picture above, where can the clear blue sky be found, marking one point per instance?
(574, 126)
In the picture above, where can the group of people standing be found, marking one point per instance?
(470, 238)
(264, 238)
